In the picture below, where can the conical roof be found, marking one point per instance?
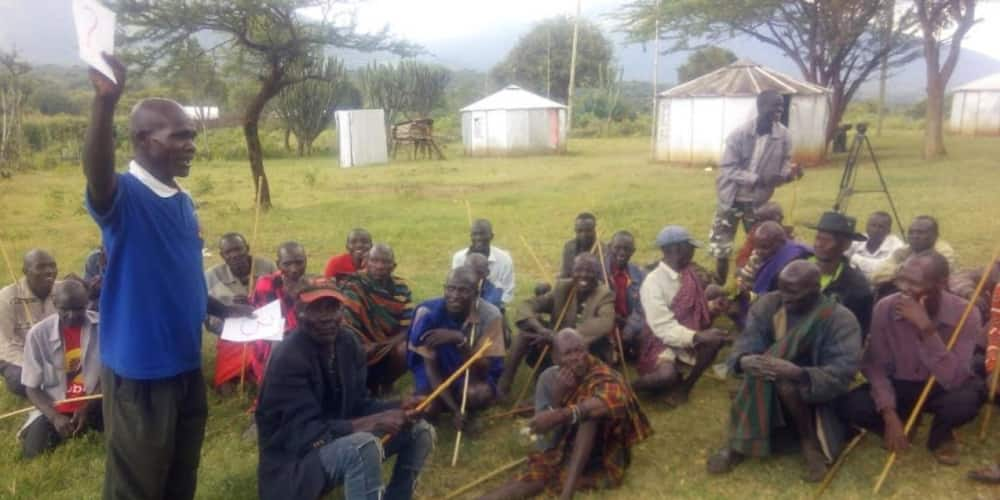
(742, 78)
(512, 97)
(991, 82)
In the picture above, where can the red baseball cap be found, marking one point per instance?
(316, 292)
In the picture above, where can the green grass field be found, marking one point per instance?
(419, 208)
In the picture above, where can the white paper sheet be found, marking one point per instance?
(95, 33)
(269, 324)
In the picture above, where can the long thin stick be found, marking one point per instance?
(251, 283)
(918, 408)
(545, 350)
(13, 277)
(617, 333)
(64, 401)
(541, 267)
(468, 211)
(994, 378)
(830, 474)
(484, 478)
(448, 381)
(516, 411)
(465, 383)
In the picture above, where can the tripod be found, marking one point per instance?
(850, 175)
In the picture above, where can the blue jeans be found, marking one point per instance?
(356, 461)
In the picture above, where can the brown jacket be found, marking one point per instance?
(596, 317)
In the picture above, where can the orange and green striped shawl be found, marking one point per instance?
(377, 314)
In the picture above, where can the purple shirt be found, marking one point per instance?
(896, 351)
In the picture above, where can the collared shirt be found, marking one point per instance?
(154, 295)
(44, 358)
(657, 294)
(867, 261)
(886, 272)
(897, 350)
(15, 321)
(501, 269)
(224, 286)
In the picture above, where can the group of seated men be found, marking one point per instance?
(803, 314)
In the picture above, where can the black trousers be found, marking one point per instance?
(12, 378)
(41, 436)
(951, 409)
(154, 431)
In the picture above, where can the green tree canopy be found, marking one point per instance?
(540, 60)
(704, 61)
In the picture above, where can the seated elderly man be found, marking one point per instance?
(229, 282)
(318, 425)
(440, 341)
(281, 285)
(22, 304)
(838, 279)
(359, 243)
(581, 302)
(923, 237)
(591, 421)
(908, 344)
(488, 291)
(626, 279)
(773, 250)
(499, 264)
(799, 351)
(770, 211)
(62, 361)
(678, 336)
(378, 309)
(869, 254)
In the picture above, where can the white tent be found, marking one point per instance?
(695, 117)
(362, 137)
(975, 107)
(513, 122)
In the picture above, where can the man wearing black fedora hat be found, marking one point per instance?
(846, 284)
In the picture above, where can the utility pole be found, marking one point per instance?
(572, 70)
(888, 20)
(656, 74)
(548, 64)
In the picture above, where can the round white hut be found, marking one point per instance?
(975, 107)
(694, 118)
(513, 121)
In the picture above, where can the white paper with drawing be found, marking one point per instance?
(95, 33)
(269, 324)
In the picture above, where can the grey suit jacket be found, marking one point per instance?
(773, 168)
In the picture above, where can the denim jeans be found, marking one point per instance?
(356, 461)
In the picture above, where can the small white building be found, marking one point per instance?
(975, 107)
(695, 117)
(202, 113)
(361, 134)
(513, 121)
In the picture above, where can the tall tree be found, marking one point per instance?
(13, 94)
(273, 39)
(540, 61)
(704, 61)
(834, 43)
(307, 107)
(936, 17)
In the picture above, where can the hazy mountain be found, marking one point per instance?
(42, 30)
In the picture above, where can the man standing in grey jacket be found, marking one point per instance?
(756, 160)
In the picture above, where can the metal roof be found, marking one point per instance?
(991, 82)
(512, 97)
(742, 78)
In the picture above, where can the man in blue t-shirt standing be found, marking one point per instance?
(154, 298)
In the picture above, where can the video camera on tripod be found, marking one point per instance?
(850, 174)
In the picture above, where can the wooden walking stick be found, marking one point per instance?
(486, 477)
(830, 474)
(447, 382)
(541, 267)
(545, 350)
(64, 401)
(465, 383)
(918, 408)
(617, 333)
(252, 283)
(13, 277)
(994, 377)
